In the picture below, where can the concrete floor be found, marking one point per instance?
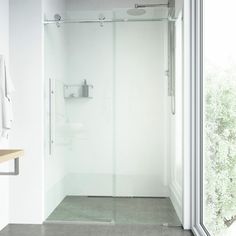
(133, 217)
(134, 211)
(92, 230)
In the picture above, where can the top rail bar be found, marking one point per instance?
(105, 21)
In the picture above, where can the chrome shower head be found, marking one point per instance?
(57, 18)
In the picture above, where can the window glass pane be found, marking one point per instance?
(219, 127)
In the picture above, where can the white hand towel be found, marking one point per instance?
(6, 88)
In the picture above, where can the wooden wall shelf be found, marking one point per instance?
(11, 154)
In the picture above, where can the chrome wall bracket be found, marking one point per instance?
(16, 168)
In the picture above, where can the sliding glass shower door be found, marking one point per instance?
(108, 119)
(79, 162)
(142, 122)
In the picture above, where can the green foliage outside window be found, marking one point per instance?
(220, 149)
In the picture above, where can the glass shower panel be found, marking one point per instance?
(56, 142)
(140, 109)
(90, 50)
(141, 124)
(79, 170)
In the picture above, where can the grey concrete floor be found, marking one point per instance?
(92, 230)
(147, 211)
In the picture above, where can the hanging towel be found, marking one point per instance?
(6, 88)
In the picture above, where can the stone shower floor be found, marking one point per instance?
(124, 210)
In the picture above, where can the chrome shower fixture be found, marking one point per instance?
(57, 18)
(101, 18)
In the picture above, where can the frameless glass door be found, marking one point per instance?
(79, 158)
(219, 118)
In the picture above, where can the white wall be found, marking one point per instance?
(90, 50)
(4, 180)
(125, 123)
(26, 64)
(176, 131)
(140, 109)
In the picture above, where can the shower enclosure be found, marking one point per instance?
(110, 124)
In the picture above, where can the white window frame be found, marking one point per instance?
(196, 120)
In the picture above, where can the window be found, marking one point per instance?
(218, 125)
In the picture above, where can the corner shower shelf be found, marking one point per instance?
(75, 91)
(11, 154)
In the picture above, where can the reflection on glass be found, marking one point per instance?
(219, 159)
